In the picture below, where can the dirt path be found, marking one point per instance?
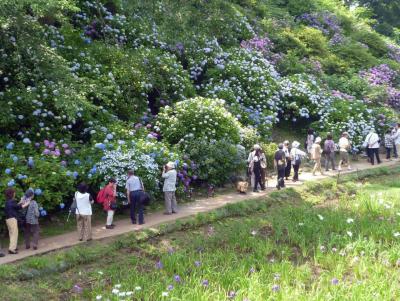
(156, 218)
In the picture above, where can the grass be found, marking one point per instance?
(331, 240)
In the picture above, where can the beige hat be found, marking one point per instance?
(257, 146)
(295, 144)
(318, 140)
(171, 165)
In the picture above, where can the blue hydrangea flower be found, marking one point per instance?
(101, 146)
(43, 212)
(109, 136)
(14, 158)
(62, 205)
(26, 141)
(11, 183)
(77, 162)
(38, 191)
(10, 146)
(75, 174)
(8, 171)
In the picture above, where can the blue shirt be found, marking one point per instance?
(133, 184)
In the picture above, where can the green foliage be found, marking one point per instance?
(198, 118)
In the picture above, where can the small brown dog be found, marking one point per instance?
(242, 186)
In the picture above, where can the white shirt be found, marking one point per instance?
(296, 152)
(344, 144)
(251, 156)
(169, 180)
(372, 140)
(396, 136)
(83, 205)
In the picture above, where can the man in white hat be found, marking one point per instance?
(316, 152)
(169, 188)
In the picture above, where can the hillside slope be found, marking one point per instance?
(82, 84)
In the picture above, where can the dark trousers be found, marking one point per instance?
(388, 151)
(395, 151)
(330, 158)
(281, 177)
(296, 172)
(263, 176)
(288, 168)
(31, 231)
(136, 206)
(257, 179)
(372, 153)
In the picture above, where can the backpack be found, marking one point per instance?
(327, 149)
(101, 196)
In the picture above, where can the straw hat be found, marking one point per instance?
(256, 146)
(295, 144)
(318, 140)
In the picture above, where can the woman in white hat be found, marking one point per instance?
(169, 188)
(316, 153)
(296, 157)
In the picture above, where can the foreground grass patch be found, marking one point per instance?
(334, 240)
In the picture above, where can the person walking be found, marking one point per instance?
(316, 153)
(280, 165)
(329, 151)
(263, 163)
(84, 202)
(372, 144)
(396, 140)
(109, 201)
(12, 214)
(255, 167)
(287, 149)
(310, 140)
(31, 220)
(296, 156)
(250, 161)
(134, 190)
(388, 144)
(169, 175)
(344, 147)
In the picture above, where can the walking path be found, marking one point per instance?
(152, 219)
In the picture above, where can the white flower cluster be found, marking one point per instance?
(115, 164)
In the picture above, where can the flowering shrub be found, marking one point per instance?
(197, 118)
(216, 160)
(327, 23)
(116, 163)
(247, 81)
(302, 97)
(382, 80)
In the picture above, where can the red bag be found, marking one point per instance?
(102, 196)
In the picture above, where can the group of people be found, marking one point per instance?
(21, 214)
(289, 157)
(25, 213)
(135, 194)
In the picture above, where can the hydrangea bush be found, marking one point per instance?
(197, 118)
